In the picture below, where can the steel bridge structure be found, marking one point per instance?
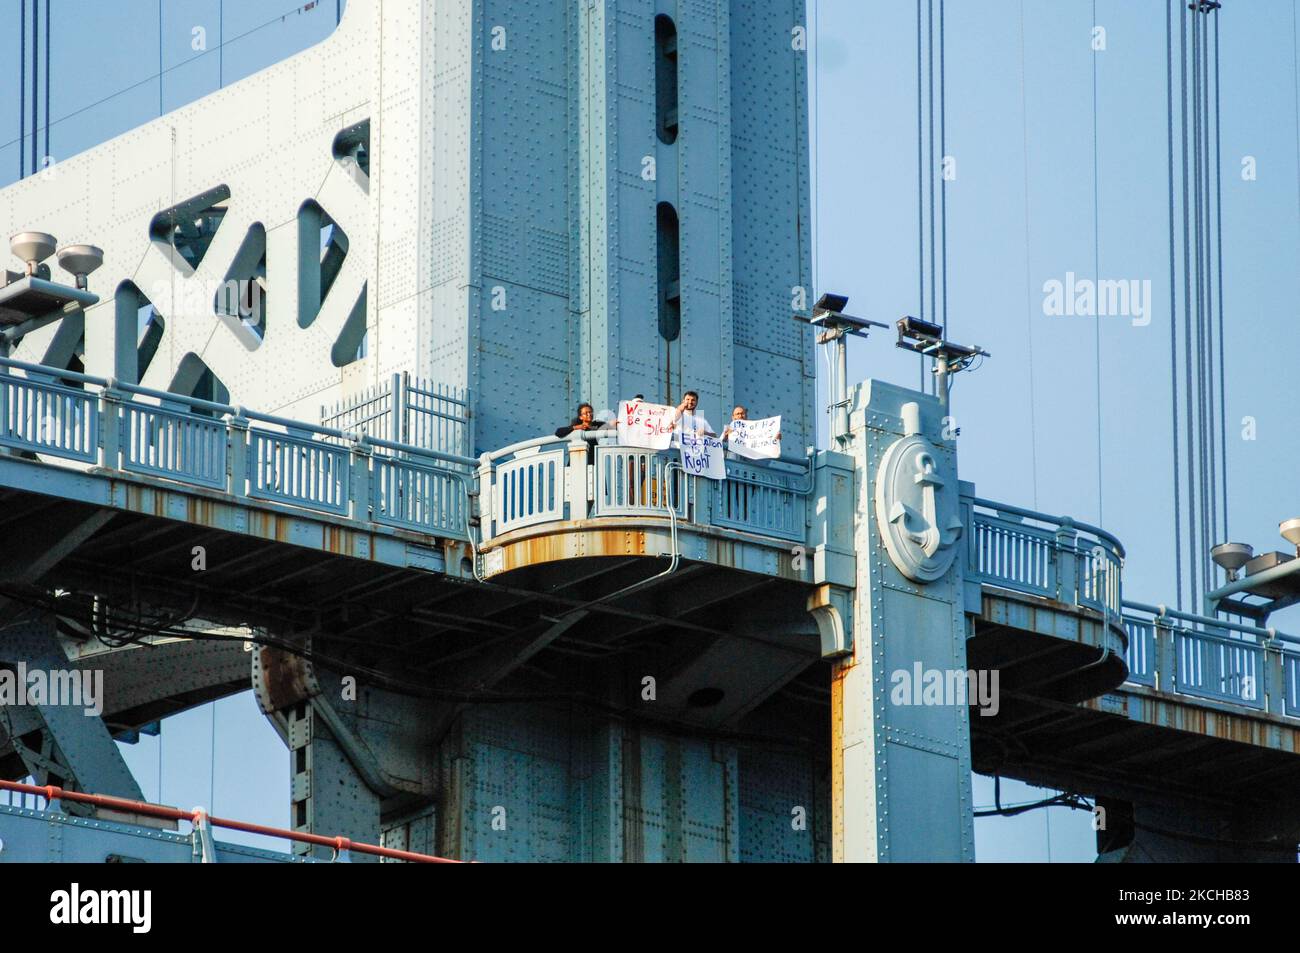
(551, 648)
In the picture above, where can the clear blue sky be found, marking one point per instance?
(1020, 124)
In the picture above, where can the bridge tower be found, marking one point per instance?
(541, 203)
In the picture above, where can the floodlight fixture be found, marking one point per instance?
(1230, 557)
(828, 315)
(926, 338)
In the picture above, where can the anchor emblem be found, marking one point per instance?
(916, 500)
(932, 538)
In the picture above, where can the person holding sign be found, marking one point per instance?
(584, 421)
(688, 421)
(754, 439)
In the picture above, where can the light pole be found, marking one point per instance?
(926, 338)
(29, 300)
(828, 315)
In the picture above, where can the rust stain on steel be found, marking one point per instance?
(201, 511)
(550, 547)
(286, 679)
(267, 525)
(840, 669)
(336, 540)
(1183, 713)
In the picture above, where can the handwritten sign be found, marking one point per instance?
(702, 456)
(756, 439)
(645, 425)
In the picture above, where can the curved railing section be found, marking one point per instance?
(89, 420)
(1051, 556)
(549, 479)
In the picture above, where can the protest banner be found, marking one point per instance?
(756, 439)
(702, 456)
(645, 425)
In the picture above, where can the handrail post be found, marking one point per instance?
(576, 492)
(1067, 563)
(359, 492)
(239, 453)
(1166, 660)
(1274, 687)
(486, 499)
(110, 428)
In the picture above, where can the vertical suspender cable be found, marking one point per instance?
(36, 75)
(49, 35)
(929, 177)
(1218, 218)
(1096, 268)
(1029, 321)
(1209, 346)
(1173, 296)
(22, 88)
(1192, 574)
(1197, 233)
(943, 178)
(921, 200)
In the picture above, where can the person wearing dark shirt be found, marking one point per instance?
(584, 421)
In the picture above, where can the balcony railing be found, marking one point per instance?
(1049, 556)
(550, 480)
(88, 420)
(1213, 658)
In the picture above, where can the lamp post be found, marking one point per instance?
(926, 338)
(828, 315)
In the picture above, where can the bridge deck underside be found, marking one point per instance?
(1067, 720)
(528, 632)
(1158, 749)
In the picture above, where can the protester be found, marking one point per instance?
(584, 421)
(740, 412)
(687, 420)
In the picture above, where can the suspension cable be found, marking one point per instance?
(1173, 300)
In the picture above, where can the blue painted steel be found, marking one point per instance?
(529, 489)
(1140, 656)
(419, 497)
(298, 470)
(42, 416)
(1059, 559)
(409, 410)
(1219, 666)
(201, 443)
(41, 837)
(635, 482)
(1291, 675)
(1212, 658)
(761, 500)
(173, 444)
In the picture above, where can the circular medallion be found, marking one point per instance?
(917, 509)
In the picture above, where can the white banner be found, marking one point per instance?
(645, 425)
(702, 456)
(756, 439)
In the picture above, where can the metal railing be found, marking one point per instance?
(1075, 563)
(408, 410)
(549, 479)
(1213, 658)
(65, 415)
(1049, 556)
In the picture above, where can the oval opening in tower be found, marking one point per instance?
(669, 267)
(665, 79)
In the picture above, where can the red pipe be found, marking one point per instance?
(51, 793)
